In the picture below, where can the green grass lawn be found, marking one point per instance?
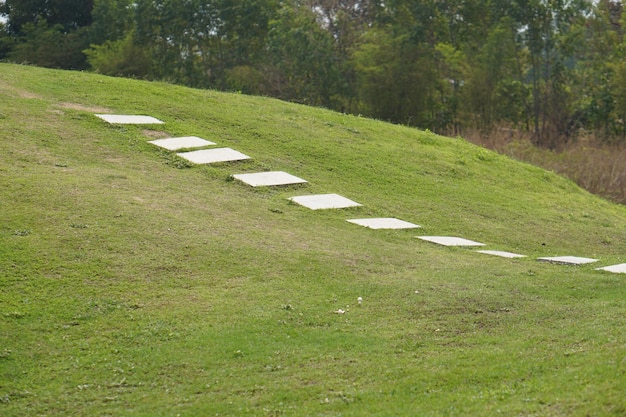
(136, 284)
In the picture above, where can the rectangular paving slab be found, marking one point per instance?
(210, 156)
(617, 269)
(501, 254)
(384, 223)
(129, 119)
(174, 144)
(569, 260)
(450, 241)
(272, 178)
(324, 201)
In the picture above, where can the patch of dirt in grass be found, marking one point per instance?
(81, 107)
(28, 94)
(155, 134)
(16, 92)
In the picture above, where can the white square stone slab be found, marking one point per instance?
(450, 241)
(570, 260)
(384, 223)
(174, 144)
(501, 254)
(127, 119)
(209, 156)
(618, 269)
(324, 201)
(261, 179)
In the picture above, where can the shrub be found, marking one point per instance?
(119, 58)
(50, 47)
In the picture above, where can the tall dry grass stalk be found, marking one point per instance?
(598, 167)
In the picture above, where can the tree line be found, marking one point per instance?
(553, 68)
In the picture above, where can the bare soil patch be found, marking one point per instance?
(155, 134)
(82, 107)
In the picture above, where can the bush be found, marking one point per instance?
(246, 79)
(119, 58)
(50, 47)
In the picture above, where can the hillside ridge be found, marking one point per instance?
(137, 283)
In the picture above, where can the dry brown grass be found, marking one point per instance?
(598, 167)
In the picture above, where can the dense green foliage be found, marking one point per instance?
(551, 67)
(135, 285)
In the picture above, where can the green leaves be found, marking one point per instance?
(119, 58)
(302, 57)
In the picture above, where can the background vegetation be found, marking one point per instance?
(551, 68)
(134, 284)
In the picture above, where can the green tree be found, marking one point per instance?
(452, 73)
(70, 14)
(121, 57)
(7, 42)
(181, 38)
(49, 46)
(618, 83)
(302, 62)
(596, 85)
(395, 79)
(244, 29)
(545, 32)
(50, 33)
(346, 21)
(202, 42)
(493, 89)
(112, 20)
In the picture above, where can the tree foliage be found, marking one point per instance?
(48, 33)
(122, 58)
(70, 14)
(49, 46)
(301, 58)
(395, 78)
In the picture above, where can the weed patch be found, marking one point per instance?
(593, 165)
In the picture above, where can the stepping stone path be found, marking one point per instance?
(501, 254)
(384, 223)
(210, 156)
(320, 201)
(261, 179)
(450, 241)
(568, 260)
(127, 119)
(324, 201)
(174, 144)
(617, 269)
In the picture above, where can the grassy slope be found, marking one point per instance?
(132, 285)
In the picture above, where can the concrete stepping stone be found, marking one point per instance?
(210, 156)
(617, 269)
(502, 254)
(174, 144)
(384, 223)
(128, 119)
(568, 260)
(324, 201)
(272, 178)
(450, 241)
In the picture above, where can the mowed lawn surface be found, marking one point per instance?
(133, 283)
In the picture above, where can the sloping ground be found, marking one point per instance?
(136, 284)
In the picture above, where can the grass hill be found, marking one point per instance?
(136, 284)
